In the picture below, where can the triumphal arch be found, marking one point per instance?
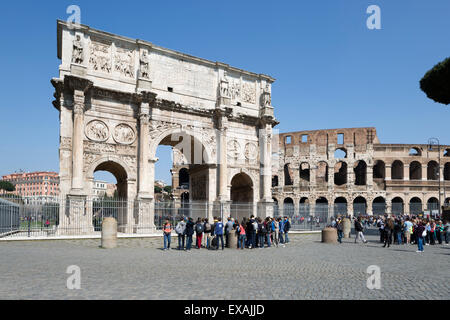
(120, 98)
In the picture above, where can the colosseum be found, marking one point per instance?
(350, 171)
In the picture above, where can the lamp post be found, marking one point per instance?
(433, 142)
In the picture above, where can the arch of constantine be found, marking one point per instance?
(119, 98)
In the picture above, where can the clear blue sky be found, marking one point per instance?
(331, 71)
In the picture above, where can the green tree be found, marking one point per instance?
(436, 82)
(7, 186)
(158, 189)
(168, 189)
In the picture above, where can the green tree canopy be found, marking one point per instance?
(7, 186)
(436, 82)
(168, 189)
(158, 189)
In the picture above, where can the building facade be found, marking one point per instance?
(350, 171)
(39, 186)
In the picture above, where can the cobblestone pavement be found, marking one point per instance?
(304, 269)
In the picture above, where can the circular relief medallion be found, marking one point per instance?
(233, 149)
(97, 130)
(124, 134)
(250, 151)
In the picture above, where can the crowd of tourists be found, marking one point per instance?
(250, 233)
(400, 230)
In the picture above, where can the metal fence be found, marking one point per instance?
(84, 216)
(9, 217)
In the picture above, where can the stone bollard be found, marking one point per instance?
(347, 227)
(232, 240)
(109, 233)
(329, 235)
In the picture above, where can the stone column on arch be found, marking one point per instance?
(78, 207)
(265, 206)
(144, 142)
(221, 133)
(80, 87)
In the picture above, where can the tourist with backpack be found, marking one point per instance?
(240, 230)
(287, 227)
(359, 230)
(446, 232)
(248, 231)
(189, 233)
(228, 229)
(199, 232)
(167, 230)
(407, 229)
(252, 227)
(180, 229)
(260, 232)
(419, 232)
(281, 224)
(207, 233)
(275, 231)
(268, 225)
(340, 229)
(218, 231)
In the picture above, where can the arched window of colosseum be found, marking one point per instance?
(397, 170)
(433, 204)
(304, 173)
(359, 206)
(360, 173)
(288, 207)
(447, 171)
(304, 207)
(379, 205)
(322, 172)
(340, 206)
(415, 152)
(321, 209)
(340, 153)
(340, 173)
(432, 170)
(379, 170)
(397, 205)
(287, 175)
(447, 201)
(415, 206)
(447, 153)
(415, 171)
(275, 181)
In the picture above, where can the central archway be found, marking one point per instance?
(241, 195)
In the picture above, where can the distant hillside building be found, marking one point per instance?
(40, 185)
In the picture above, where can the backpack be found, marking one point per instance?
(263, 228)
(179, 228)
(255, 226)
(199, 228)
(207, 227)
